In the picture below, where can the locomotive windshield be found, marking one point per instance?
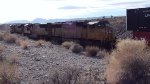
(100, 24)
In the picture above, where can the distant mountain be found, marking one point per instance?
(58, 20)
(39, 20)
(19, 21)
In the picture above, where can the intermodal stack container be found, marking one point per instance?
(142, 35)
(138, 21)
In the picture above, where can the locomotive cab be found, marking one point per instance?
(103, 24)
(12, 28)
(19, 28)
(100, 32)
(27, 29)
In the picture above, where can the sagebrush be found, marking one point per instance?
(40, 43)
(92, 51)
(2, 48)
(67, 44)
(24, 44)
(9, 38)
(76, 48)
(129, 63)
(8, 73)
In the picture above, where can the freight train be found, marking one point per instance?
(84, 32)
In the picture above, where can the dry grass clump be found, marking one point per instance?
(69, 76)
(102, 54)
(131, 46)
(40, 43)
(13, 57)
(67, 44)
(18, 41)
(76, 48)
(8, 38)
(129, 63)
(92, 51)
(77, 76)
(1, 36)
(2, 48)
(24, 44)
(8, 73)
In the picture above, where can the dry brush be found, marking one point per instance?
(129, 63)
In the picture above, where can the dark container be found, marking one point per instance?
(138, 19)
(132, 19)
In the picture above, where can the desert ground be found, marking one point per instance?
(39, 62)
(27, 61)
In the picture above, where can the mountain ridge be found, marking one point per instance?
(38, 20)
(41, 20)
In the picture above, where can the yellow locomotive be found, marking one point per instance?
(84, 32)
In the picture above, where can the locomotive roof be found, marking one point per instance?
(93, 22)
(96, 22)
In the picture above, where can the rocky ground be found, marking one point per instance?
(36, 65)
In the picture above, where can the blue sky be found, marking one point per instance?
(66, 9)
